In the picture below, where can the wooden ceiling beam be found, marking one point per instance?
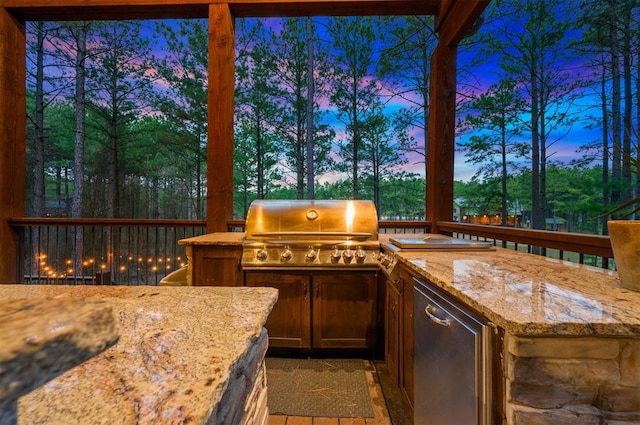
(455, 19)
(64, 10)
(95, 13)
(252, 8)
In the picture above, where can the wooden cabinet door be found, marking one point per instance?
(392, 330)
(406, 370)
(289, 324)
(344, 310)
(217, 265)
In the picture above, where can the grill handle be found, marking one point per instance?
(279, 236)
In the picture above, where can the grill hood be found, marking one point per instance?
(275, 220)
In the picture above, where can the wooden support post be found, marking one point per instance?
(441, 136)
(12, 141)
(454, 21)
(220, 122)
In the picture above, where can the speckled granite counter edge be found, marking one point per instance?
(623, 304)
(216, 238)
(195, 337)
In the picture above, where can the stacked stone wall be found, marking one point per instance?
(572, 381)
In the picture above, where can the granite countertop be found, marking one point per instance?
(40, 338)
(523, 293)
(529, 295)
(171, 363)
(219, 238)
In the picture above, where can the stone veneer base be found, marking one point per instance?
(244, 401)
(572, 381)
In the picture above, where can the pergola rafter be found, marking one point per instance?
(454, 20)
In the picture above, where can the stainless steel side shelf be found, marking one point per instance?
(439, 243)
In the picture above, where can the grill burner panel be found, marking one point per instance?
(261, 256)
(311, 234)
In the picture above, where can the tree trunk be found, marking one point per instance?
(636, 131)
(113, 202)
(78, 146)
(38, 156)
(606, 193)
(616, 99)
(505, 173)
(356, 143)
(628, 101)
(537, 215)
(310, 94)
(259, 158)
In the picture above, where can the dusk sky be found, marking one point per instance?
(562, 151)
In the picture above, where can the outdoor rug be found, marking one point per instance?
(334, 388)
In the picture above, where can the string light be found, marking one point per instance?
(51, 273)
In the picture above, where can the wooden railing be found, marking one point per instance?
(102, 251)
(137, 252)
(579, 248)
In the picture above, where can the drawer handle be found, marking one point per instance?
(430, 311)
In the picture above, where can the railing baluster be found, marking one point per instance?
(77, 251)
(131, 249)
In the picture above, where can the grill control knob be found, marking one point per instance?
(384, 260)
(335, 255)
(347, 255)
(286, 255)
(262, 255)
(360, 255)
(312, 254)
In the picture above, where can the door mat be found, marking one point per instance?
(333, 388)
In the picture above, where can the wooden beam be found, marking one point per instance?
(220, 120)
(287, 8)
(454, 21)
(441, 136)
(12, 141)
(456, 18)
(89, 11)
(62, 10)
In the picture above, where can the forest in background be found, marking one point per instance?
(336, 108)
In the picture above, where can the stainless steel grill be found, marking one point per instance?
(310, 234)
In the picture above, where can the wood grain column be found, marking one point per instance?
(12, 141)
(220, 121)
(441, 135)
(454, 21)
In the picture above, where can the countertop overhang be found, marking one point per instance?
(530, 295)
(172, 363)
